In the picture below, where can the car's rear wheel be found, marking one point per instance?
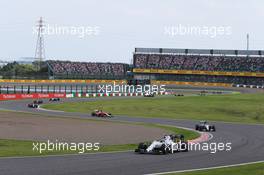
(164, 149)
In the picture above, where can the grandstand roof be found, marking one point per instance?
(200, 51)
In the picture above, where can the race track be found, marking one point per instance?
(247, 146)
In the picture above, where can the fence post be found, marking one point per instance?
(28, 91)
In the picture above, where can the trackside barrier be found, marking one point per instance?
(64, 95)
(108, 94)
(31, 96)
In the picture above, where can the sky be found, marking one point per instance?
(116, 27)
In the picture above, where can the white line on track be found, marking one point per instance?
(208, 168)
(49, 110)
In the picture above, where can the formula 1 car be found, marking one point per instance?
(33, 105)
(204, 126)
(168, 144)
(54, 99)
(100, 113)
(149, 94)
(178, 95)
(38, 102)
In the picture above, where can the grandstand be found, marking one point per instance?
(218, 67)
(195, 65)
(86, 70)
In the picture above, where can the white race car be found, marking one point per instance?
(149, 94)
(204, 126)
(168, 144)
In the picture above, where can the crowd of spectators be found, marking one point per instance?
(88, 68)
(200, 62)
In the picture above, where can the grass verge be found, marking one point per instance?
(244, 108)
(11, 148)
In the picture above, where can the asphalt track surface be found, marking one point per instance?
(247, 146)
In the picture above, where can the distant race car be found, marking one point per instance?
(54, 99)
(33, 105)
(179, 95)
(38, 102)
(168, 144)
(204, 126)
(149, 94)
(100, 113)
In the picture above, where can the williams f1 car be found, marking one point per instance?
(167, 144)
(204, 126)
(100, 113)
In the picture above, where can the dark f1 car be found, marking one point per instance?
(178, 95)
(38, 102)
(100, 113)
(168, 144)
(33, 105)
(204, 126)
(54, 99)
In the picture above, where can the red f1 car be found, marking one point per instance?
(100, 113)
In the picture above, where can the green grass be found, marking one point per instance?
(11, 148)
(244, 108)
(253, 169)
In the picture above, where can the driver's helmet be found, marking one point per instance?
(203, 122)
(167, 137)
